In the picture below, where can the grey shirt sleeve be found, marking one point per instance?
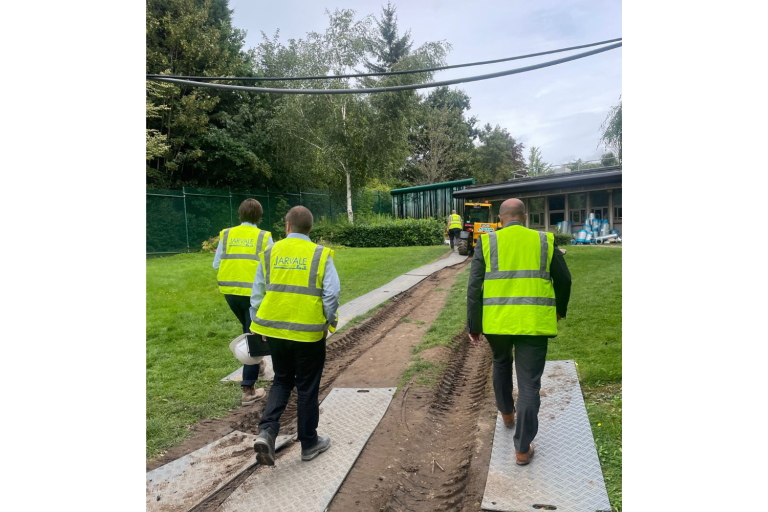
(475, 290)
(331, 291)
(217, 258)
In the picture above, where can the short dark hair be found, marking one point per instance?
(301, 220)
(250, 211)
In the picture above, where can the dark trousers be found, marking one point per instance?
(300, 364)
(530, 355)
(240, 306)
(454, 234)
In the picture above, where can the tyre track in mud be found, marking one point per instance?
(447, 435)
(340, 354)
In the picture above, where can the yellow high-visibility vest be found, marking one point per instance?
(518, 296)
(455, 221)
(292, 308)
(240, 248)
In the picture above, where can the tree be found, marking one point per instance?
(387, 47)
(210, 134)
(608, 159)
(331, 128)
(156, 141)
(442, 144)
(536, 165)
(438, 159)
(611, 127)
(498, 156)
(345, 140)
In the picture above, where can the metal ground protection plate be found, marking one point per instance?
(180, 485)
(453, 259)
(349, 416)
(565, 471)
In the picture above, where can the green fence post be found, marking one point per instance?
(186, 224)
(330, 205)
(230, 205)
(269, 213)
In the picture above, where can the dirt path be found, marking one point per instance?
(452, 425)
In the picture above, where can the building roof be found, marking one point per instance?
(434, 186)
(611, 174)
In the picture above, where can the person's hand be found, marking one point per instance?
(559, 317)
(474, 338)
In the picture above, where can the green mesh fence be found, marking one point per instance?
(181, 220)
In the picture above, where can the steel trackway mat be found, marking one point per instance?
(180, 485)
(565, 471)
(349, 416)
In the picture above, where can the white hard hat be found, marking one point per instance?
(239, 347)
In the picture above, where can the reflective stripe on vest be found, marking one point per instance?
(455, 222)
(518, 297)
(292, 307)
(240, 248)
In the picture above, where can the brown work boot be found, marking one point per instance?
(509, 419)
(524, 458)
(251, 394)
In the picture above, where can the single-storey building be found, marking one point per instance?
(561, 195)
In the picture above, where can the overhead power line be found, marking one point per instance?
(391, 88)
(388, 73)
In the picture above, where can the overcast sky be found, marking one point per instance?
(558, 109)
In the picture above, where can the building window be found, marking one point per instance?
(577, 204)
(555, 217)
(556, 210)
(617, 205)
(536, 211)
(598, 198)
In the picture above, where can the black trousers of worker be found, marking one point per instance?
(241, 306)
(454, 234)
(530, 355)
(300, 364)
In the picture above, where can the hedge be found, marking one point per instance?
(391, 233)
(562, 239)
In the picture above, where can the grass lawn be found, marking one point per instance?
(590, 335)
(189, 327)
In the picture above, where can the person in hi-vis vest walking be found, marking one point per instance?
(294, 304)
(519, 287)
(237, 257)
(453, 227)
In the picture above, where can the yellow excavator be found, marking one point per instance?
(477, 220)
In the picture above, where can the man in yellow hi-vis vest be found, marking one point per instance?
(294, 304)
(453, 227)
(237, 257)
(519, 287)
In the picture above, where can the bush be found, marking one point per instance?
(374, 231)
(211, 244)
(562, 239)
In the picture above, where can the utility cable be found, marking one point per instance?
(391, 88)
(388, 73)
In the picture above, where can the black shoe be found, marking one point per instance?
(265, 449)
(322, 444)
